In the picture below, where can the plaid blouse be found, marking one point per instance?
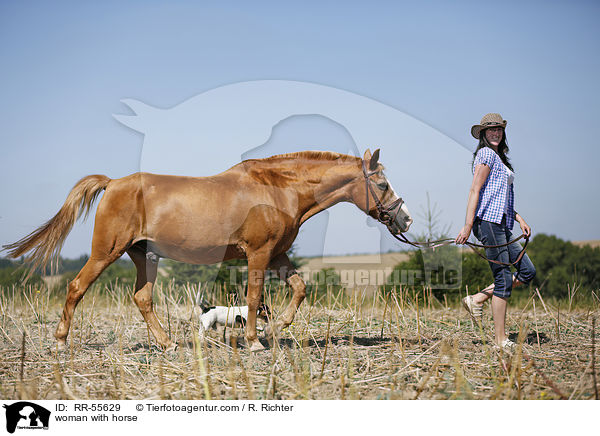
(493, 195)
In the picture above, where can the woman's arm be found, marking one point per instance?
(524, 226)
(481, 174)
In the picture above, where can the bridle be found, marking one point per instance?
(387, 215)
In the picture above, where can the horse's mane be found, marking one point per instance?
(310, 155)
(275, 170)
(316, 155)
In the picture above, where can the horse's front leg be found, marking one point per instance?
(256, 278)
(287, 272)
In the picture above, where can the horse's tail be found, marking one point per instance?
(45, 242)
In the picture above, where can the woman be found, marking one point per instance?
(491, 215)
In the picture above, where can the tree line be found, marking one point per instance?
(561, 266)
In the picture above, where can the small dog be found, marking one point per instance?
(227, 316)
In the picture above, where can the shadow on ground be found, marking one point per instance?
(531, 339)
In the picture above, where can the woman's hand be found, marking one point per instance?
(463, 235)
(525, 228)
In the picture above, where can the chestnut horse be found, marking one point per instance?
(253, 210)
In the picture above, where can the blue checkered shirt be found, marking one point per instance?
(492, 197)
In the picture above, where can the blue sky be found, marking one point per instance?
(67, 66)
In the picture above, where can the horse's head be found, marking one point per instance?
(382, 203)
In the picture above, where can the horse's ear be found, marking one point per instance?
(373, 161)
(367, 155)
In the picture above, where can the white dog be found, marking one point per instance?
(212, 316)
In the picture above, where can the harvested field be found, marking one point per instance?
(340, 347)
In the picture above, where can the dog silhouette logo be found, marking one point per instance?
(26, 415)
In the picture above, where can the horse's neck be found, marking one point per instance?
(334, 187)
(317, 184)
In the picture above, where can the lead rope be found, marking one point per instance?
(471, 245)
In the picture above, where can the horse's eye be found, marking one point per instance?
(383, 186)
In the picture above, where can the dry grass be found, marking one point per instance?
(339, 347)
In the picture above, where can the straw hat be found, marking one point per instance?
(488, 120)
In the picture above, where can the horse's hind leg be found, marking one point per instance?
(287, 272)
(147, 268)
(257, 263)
(76, 290)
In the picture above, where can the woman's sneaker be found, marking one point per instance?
(474, 309)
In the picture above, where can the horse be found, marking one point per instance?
(253, 210)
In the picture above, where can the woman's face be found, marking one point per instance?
(494, 135)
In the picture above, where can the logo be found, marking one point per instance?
(26, 415)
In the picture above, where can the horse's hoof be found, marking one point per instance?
(256, 346)
(61, 345)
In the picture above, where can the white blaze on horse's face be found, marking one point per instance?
(403, 218)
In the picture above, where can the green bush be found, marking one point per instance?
(560, 263)
(66, 265)
(229, 273)
(476, 272)
(11, 273)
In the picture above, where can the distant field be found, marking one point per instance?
(375, 267)
(591, 243)
(339, 347)
(356, 260)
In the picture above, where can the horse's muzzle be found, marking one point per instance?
(401, 225)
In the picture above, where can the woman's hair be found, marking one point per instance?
(502, 148)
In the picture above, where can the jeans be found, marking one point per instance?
(497, 234)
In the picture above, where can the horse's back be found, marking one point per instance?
(193, 219)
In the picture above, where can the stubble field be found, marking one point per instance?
(403, 346)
